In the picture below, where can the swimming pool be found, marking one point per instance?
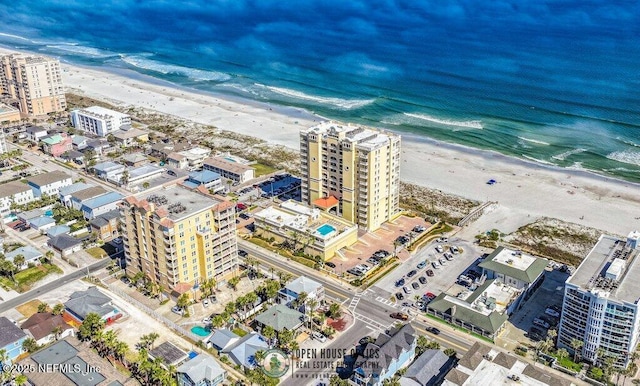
(325, 229)
(201, 331)
(49, 213)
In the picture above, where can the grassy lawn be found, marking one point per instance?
(99, 252)
(569, 364)
(240, 332)
(25, 279)
(29, 308)
(262, 169)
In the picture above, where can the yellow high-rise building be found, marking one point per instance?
(179, 237)
(32, 83)
(352, 171)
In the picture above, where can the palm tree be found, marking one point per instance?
(450, 352)
(562, 353)
(576, 344)
(258, 357)
(269, 333)
(217, 321)
(233, 282)
(21, 380)
(58, 309)
(124, 178)
(90, 327)
(19, 261)
(313, 304)
(30, 345)
(43, 307)
(57, 331)
(5, 371)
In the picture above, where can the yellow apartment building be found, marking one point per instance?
(351, 171)
(33, 84)
(179, 237)
(318, 233)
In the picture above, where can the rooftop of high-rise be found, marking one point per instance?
(363, 136)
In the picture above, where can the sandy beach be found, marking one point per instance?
(525, 191)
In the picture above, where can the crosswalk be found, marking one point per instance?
(370, 322)
(386, 301)
(354, 302)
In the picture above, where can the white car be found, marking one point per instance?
(552, 312)
(205, 303)
(206, 320)
(319, 336)
(439, 249)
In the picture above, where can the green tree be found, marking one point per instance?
(30, 345)
(43, 307)
(183, 302)
(334, 311)
(285, 337)
(259, 357)
(562, 353)
(269, 333)
(450, 352)
(19, 262)
(5, 371)
(217, 321)
(21, 380)
(147, 341)
(91, 326)
(58, 309)
(124, 178)
(576, 345)
(207, 287)
(233, 282)
(337, 381)
(596, 373)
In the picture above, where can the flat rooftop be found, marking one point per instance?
(515, 259)
(180, 202)
(591, 273)
(102, 112)
(364, 137)
(494, 296)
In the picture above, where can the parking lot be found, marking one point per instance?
(520, 323)
(381, 239)
(443, 277)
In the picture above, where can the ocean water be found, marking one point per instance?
(555, 82)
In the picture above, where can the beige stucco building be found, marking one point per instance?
(179, 237)
(32, 83)
(352, 171)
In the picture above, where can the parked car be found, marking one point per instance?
(454, 249)
(206, 320)
(400, 283)
(407, 290)
(242, 253)
(171, 173)
(551, 312)
(422, 280)
(435, 265)
(399, 316)
(412, 273)
(448, 256)
(429, 295)
(415, 285)
(433, 330)
(439, 249)
(330, 264)
(421, 265)
(373, 261)
(319, 336)
(205, 303)
(177, 310)
(541, 323)
(429, 272)
(399, 295)
(366, 339)
(419, 228)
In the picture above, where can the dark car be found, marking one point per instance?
(171, 173)
(412, 273)
(433, 330)
(422, 280)
(399, 316)
(400, 283)
(399, 295)
(373, 261)
(419, 228)
(429, 272)
(242, 253)
(415, 285)
(381, 253)
(244, 216)
(366, 339)
(330, 264)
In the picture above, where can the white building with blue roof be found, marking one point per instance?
(66, 192)
(202, 370)
(207, 178)
(101, 204)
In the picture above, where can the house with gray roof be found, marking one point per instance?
(429, 369)
(66, 192)
(81, 303)
(77, 198)
(11, 338)
(109, 170)
(65, 244)
(135, 159)
(31, 256)
(292, 290)
(222, 339)
(58, 230)
(100, 205)
(14, 192)
(202, 370)
(391, 352)
(49, 183)
(105, 226)
(280, 317)
(42, 223)
(243, 351)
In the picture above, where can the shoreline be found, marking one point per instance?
(526, 190)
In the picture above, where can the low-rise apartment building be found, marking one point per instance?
(99, 120)
(600, 306)
(49, 183)
(228, 169)
(179, 237)
(14, 192)
(311, 230)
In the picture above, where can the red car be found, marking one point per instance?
(241, 206)
(430, 295)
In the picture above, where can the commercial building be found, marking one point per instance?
(600, 306)
(9, 113)
(99, 120)
(484, 365)
(311, 230)
(32, 83)
(179, 237)
(229, 169)
(353, 171)
(49, 183)
(14, 192)
(392, 351)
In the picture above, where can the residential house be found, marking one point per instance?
(102, 204)
(65, 244)
(228, 169)
(280, 317)
(58, 230)
(169, 354)
(202, 370)
(66, 192)
(391, 352)
(191, 159)
(56, 144)
(130, 137)
(292, 290)
(163, 149)
(14, 192)
(30, 214)
(177, 160)
(99, 147)
(79, 142)
(135, 159)
(73, 156)
(429, 369)
(49, 183)
(144, 173)
(79, 197)
(243, 352)
(35, 133)
(110, 171)
(11, 339)
(45, 327)
(81, 303)
(42, 223)
(31, 256)
(106, 225)
(222, 339)
(206, 178)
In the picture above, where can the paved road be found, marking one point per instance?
(368, 307)
(27, 296)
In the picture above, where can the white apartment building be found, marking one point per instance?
(600, 305)
(99, 120)
(49, 183)
(14, 192)
(33, 83)
(351, 170)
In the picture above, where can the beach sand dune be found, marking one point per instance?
(524, 190)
